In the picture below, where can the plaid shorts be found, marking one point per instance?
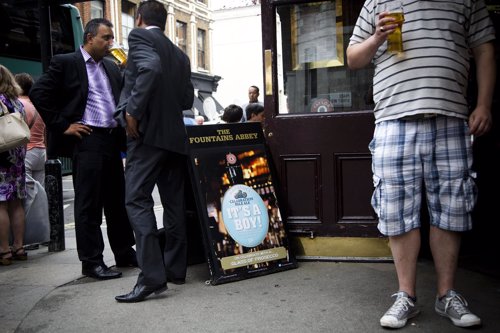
(408, 154)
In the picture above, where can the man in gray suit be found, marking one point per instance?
(157, 87)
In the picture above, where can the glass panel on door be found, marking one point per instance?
(312, 74)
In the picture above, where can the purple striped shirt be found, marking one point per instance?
(100, 102)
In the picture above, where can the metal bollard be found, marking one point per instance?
(53, 187)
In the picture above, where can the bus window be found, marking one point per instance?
(63, 40)
(20, 47)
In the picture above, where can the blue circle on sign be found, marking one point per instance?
(245, 215)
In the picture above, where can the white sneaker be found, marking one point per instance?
(403, 309)
(454, 306)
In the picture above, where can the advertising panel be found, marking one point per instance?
(235, 192)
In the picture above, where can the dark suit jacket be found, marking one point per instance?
(60, 96)
(157, 88)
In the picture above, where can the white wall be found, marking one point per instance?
(237, 53)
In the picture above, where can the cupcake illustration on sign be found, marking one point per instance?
(243, 211)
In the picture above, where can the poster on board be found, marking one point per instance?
(242, 225)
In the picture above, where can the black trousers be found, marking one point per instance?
(146, 167)
(98, 180)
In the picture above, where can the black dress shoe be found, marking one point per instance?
(140, 292)
(101, 272)
(126, 259)
(129, 262)
(176, 281)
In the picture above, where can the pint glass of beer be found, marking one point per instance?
(119, 54)
(395, 39)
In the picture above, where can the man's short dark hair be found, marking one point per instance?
(256, 88)
(25, 81)
(153, 13)
(232, 114)
(92, 27)
(253, 108)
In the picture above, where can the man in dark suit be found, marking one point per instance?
(157, 88)
(76, 97)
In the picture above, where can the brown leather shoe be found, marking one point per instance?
(19, 254)
(5, 258)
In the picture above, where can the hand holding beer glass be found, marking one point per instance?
(119, 54)
(394, 10)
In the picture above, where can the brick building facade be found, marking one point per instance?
(189, 25)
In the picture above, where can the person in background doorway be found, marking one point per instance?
(422, 136)
(253, 94)
(36, 152)
(12, 178)
(255, 113)
(76, 98)
(253, 97)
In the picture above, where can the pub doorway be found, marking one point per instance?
(319, 122)
(318, 125)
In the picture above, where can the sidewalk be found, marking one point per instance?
(48, 294)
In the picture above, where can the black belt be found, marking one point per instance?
(104, 130)
(420, 116)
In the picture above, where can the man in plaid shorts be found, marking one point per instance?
(423, 136)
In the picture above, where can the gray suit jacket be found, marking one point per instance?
(157, 88)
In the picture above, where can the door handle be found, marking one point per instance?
(268, 64)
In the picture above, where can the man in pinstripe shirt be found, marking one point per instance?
(423, 135)
(76, 98)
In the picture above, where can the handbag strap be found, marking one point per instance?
(4, 108)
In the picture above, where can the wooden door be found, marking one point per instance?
(319, 121)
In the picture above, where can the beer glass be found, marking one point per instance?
(119, 54)
(395, 38)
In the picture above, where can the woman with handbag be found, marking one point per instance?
(12, 178)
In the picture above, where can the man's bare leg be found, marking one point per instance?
(405, 249)
(445, 246)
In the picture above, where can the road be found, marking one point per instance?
(69, 201)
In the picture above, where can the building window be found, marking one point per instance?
(312, 44)
(127, 26)
(128, 20)
(200, 41)
(181, 35)
(96, 9)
